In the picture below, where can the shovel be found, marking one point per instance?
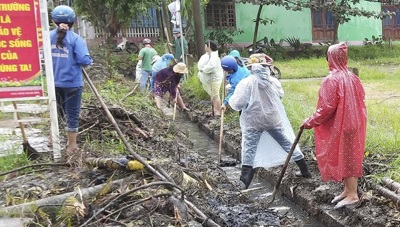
(278, 183)
(31, 152)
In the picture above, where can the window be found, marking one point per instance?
(220, 14)
(319, 22)
(329, 19)
(390, 2)
(148, 20)
(391, 21)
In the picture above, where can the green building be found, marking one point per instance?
(308, 25)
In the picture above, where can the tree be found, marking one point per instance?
(113, 15)
(191, 11)
(342, 10)
(198, 28)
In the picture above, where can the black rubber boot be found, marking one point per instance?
(303, 169)
(246, 176)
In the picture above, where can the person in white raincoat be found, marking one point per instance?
(211, 74)
(263, 116)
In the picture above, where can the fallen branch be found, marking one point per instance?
(123, 208)
(388, 194)
(133, 90)
(88, 128)
(206, 220)
(29, 208)
(391, 184)
(251, 189)
(123, 195)
(129, 147)
(34, 165)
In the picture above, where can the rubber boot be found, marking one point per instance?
(246, 176)
(303, 169)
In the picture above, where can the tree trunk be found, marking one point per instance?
(391, 184)
(29, 208)
(198, 29)
(165, 21)
(335, 32)
(256, 27)
(161, 25)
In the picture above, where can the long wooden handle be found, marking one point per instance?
(173, 116)
(278, 183)
(221, 135)
(21, 125)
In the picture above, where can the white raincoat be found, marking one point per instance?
(210, 68)
(258, 97)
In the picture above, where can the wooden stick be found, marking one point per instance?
(388, 194)
(251, 189)
(173, 116)
(125, 194)
(391, 184)
(134, 154)
(221, 135)
(278, 183)
(21, 125)
(34, 165)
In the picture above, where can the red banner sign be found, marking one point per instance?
(19, 53)
(38, 24)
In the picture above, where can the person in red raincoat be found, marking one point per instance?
(340, 126)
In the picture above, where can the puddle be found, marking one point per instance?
(11, 140)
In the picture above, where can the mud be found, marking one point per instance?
(314, 195)
(168, 147)
(171, 148)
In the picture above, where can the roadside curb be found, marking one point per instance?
(304, 198)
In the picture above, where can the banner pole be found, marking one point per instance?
(50, 80)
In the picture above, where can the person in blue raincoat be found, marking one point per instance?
(161, 63)
(234, 76)
(236, 55)
(262, 112)
(69, 54)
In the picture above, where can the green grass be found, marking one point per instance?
(303, 68)
(12, 160)
(380, 79)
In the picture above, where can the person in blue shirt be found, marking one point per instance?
(69, 53)
(161, 63)
(239, 60)
(235, 75)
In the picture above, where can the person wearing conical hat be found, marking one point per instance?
(167, 80)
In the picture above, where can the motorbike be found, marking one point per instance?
(264, 59)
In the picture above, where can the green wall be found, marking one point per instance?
(298, 24)
(359, 28)
(287, 23)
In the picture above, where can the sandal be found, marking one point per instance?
(346, 203)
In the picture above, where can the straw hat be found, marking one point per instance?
(180, 68)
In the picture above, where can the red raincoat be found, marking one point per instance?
(340, 120)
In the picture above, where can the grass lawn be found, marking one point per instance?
(381, 82)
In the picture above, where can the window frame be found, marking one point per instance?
(220, 11)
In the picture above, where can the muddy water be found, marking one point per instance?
(203, 144)
(11, 139)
